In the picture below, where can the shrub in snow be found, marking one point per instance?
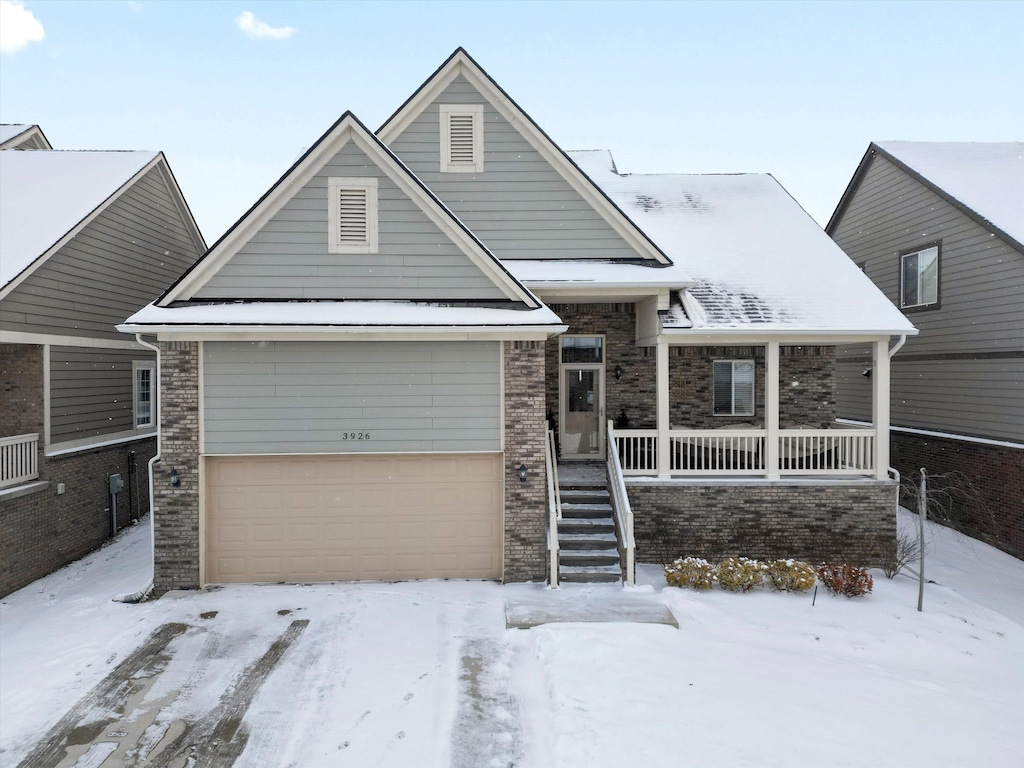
(845, 579)
(790, 576)
(738, 574)
(690, 572)
(903, 551)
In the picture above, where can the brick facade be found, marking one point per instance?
(994, 513)
(849, 521)
(176, 509)
(526, 517)
(44, 530)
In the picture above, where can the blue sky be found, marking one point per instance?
(233, 91)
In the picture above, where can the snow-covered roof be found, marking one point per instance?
(44, 194)
(987, 177)
(342, 315)
(553, 273)
(760, 262)
(9, 130)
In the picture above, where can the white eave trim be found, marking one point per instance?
(347, 333)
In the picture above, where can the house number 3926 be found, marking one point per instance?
(355, 435)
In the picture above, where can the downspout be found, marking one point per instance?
(137, 597)
(892, 470)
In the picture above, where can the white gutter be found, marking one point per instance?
(137, 597)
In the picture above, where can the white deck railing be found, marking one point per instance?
(19, 459)
(739, 451)
(620, 502)
(554, 505)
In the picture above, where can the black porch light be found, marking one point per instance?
(175, 480)
(522, 473)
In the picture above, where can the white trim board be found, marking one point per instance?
(21, 337)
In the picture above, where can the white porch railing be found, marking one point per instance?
(620, 502)
(729, 451)
(554, 505)
(19, 459)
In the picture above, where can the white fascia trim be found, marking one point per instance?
(320, 333)
(20, 337)
(73, 232)
(88, 443)
(946, 435)
(587, 189)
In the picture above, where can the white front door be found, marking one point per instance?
(581, 397)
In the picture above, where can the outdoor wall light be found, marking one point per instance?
(866, 373)
(175, 480)
(522, 473)
(618, 371)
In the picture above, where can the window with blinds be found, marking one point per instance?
(462, 138)
(353, 215)
(734, 388)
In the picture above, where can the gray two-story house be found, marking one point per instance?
(939, 227)
(85, 238)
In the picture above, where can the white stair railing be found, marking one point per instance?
(554, 504)
(620, 503)
(19, 459)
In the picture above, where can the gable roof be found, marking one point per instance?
(983, 179)
(13, 135)
(461, 63)
(48, 196)
(760, 262)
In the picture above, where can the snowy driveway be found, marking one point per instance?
(425, 674)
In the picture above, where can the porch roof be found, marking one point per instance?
(582, 274)
(760, 262)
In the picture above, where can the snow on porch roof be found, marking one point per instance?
(555, 273)
(760, 261)
(44, 194)
(987, 177)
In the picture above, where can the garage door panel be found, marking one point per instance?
(319, 518)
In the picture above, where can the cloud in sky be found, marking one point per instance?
(18, 27)
(256, 29)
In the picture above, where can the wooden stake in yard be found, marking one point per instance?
(922, 515)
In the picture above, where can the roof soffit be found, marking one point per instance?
(461, 63)
(347, 129)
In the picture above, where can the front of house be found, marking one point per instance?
(358, 379)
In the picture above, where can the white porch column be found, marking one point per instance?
(880, 407)
(664, 423)
(771, 410)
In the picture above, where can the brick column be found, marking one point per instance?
(176, 509)
(526, 516)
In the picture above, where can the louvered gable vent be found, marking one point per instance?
(462, 138)
(353, 215)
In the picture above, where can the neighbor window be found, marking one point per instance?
(143, 388)
(919, 277)
(462, 138)
(734, 387)
(353, 215)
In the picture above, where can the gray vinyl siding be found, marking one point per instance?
(91, 392)
(306, 397)
(980, 312)
(520, 206)
(289, 259)
(118, 263)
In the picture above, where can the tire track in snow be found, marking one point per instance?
(487, 732)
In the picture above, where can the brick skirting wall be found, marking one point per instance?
(809, 521)
(995, 513)
(526, 516)
(176, 509)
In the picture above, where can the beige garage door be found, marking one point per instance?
(326, 518)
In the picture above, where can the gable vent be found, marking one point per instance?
(352, 215)
(462, 138)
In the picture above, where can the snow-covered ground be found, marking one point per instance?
(425, 673)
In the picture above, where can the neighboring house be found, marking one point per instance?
(358, 377)
(85, 239)
(939, 227)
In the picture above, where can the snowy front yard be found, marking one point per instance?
(425, 673)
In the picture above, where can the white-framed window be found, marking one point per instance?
(144, 393)
(462, 138)
(733, 389)
(352, 215)
(919, 277)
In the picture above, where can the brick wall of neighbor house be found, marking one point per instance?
(991, 506)
(852, 522)
(526, 515)
(43, 530)
(176, 509)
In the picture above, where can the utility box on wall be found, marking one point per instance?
(116, 484)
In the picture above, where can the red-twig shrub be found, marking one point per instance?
(845, 579)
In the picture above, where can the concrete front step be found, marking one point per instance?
(585, 526)
(587, 541)
(592, 496)
(586, 510)
(593, 574)
(589, 557)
